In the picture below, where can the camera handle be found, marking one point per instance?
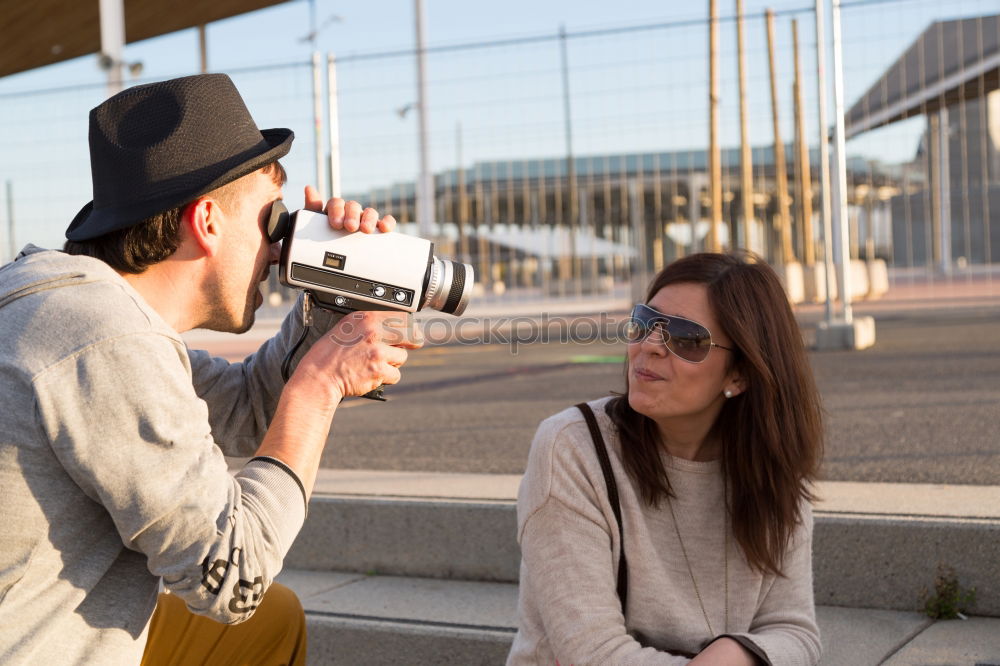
(307, 320)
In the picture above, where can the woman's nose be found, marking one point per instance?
(656, 341)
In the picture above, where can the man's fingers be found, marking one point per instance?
(399, 330)
(395, 356)
(369, 218)
(352, 216)
(348, 215)
(413, 338)
(391, 375)
(314, 201)
(335, 212)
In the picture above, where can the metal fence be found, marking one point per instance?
(579, 163)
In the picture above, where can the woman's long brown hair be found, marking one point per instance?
(771, 433)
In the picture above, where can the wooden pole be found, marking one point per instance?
(492, 213)
(463, 197)
(482, 247)
(527, 217)
(12, 242)
(658, 249)
(714, 156)
(781, 171)
(571, 196)
(746, 161)
(802, 167)
(203, 49)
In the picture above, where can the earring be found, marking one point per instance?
(728, 393)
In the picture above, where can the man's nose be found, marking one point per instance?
(275, 253)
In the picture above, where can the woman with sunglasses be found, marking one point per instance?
(706, 556)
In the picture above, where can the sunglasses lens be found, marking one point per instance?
(689, 340)
(277, 223)
(641, 323)
(686, 339)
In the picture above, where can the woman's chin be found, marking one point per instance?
(641, 401)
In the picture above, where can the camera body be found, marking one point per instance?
(357, 271)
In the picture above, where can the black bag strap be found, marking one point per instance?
(609, 481)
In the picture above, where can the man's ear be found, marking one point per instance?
(202, 220)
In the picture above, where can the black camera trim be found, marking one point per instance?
(349, 284)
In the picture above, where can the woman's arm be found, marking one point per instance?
(784, 628)
(725, 651)
(569, 558)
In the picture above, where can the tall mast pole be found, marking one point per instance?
(802, 167)
(714, 156)
(746, 161)
(425, 185)
(781, 169)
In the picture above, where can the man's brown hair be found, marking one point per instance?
(136, 248)
(771, 434)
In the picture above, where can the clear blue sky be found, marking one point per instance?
(631, 92)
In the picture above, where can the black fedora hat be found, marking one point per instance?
(158, 146)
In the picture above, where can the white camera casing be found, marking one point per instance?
(355, 271)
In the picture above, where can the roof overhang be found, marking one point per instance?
(948, 62)
(43, 32)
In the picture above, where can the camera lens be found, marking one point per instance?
(449, 286)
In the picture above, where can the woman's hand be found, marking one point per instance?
(348, 215)
(725, 652)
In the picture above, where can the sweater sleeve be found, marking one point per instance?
(242, 397)
(568, 570)
(122, 418)
(784, 629)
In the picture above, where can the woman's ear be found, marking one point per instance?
(734, 384)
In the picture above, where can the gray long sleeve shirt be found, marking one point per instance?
(112, 436)
(569, 611)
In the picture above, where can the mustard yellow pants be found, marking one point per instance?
(275, 635)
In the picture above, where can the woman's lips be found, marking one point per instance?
(642, 373)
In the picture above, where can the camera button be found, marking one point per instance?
(379, 291)
(400, 296)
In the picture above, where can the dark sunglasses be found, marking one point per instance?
(277, 221)
(687, 340)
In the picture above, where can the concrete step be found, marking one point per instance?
(374, 620)
(876, 545)
(379, 620)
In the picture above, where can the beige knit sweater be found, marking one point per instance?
(568, 608)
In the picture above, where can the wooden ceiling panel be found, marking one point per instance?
(43, 32)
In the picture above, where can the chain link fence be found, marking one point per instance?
(579, 163)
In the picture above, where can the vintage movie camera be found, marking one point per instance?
(345, 272)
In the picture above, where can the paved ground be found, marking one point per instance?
(922, 406)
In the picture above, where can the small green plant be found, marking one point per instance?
(950, 599)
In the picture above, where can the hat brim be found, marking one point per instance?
(90, 223)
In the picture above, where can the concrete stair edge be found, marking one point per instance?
(383, 620)
(872, 560)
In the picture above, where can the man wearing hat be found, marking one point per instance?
(113, 433)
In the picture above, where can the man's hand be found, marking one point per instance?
(348, 215)
(363, 351)
(725, 652)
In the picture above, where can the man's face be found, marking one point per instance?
(246, 256)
